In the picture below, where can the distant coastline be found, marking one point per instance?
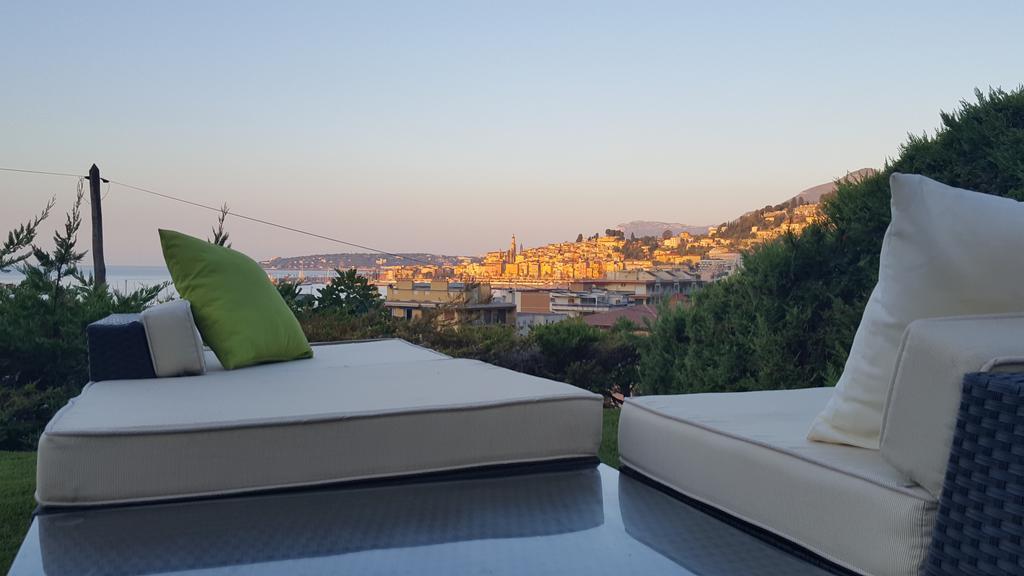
(129, 278)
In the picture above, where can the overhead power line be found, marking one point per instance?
(42, 172)
(269, 223)
(215, 209)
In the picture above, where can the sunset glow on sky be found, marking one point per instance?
(446, 127)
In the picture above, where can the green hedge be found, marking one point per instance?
(787, 320)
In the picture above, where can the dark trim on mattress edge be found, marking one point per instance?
(766, 536)
(473, 473)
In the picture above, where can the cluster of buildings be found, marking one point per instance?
(454, 302)
(590, 278)
(601, 302)
(779, 222)
(602, 278)
(563, 261)
(710, 256)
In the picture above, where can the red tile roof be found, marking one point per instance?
(635, 314)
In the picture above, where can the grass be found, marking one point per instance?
(609, 453)
(17, 484)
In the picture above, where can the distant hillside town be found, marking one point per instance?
(604, 279)
(700, 253)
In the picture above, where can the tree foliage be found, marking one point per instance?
(350, 293)
(43, 353)
(579, 354)
(787, 319)
(220, 235)
(16, 249)
(638, 248)
(292, 295)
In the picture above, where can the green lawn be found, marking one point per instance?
(18, 482)
(610, 441)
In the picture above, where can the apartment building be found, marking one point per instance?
(644, 286)
(575, 303)
(456, 302)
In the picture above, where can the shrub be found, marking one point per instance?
(335, 326)
(495, 344)
(569, 351)
(579, 354)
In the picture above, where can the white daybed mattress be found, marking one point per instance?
(747, 454)
(353, 411)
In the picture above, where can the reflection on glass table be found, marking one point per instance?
(582, 519)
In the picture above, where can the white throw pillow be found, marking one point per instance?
(947, 252)
(174, 342)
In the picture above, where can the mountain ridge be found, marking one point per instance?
(814, 194)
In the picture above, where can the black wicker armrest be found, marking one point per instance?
(979, 528)
(119, 349)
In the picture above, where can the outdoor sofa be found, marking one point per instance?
(354, 411)
(870, 474)
(742, 457)
(869, 511)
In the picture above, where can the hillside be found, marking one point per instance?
(356, 260)
(814, 194)
(773, 216)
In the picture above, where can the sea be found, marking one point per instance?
(129, 278)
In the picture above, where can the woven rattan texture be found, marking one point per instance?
(980, 524)
(119, 349)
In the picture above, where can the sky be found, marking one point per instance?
(447, 127)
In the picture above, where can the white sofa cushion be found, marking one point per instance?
(747, 454)
(353, 411)
(947, 252)
(920, 415)
(175, 345)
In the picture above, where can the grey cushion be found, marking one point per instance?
(174, 342)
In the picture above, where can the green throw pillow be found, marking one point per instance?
(238, 311)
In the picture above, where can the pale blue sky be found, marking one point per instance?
(448, 126)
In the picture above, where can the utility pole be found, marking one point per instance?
(99, 267)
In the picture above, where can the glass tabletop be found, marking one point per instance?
(583, 519)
